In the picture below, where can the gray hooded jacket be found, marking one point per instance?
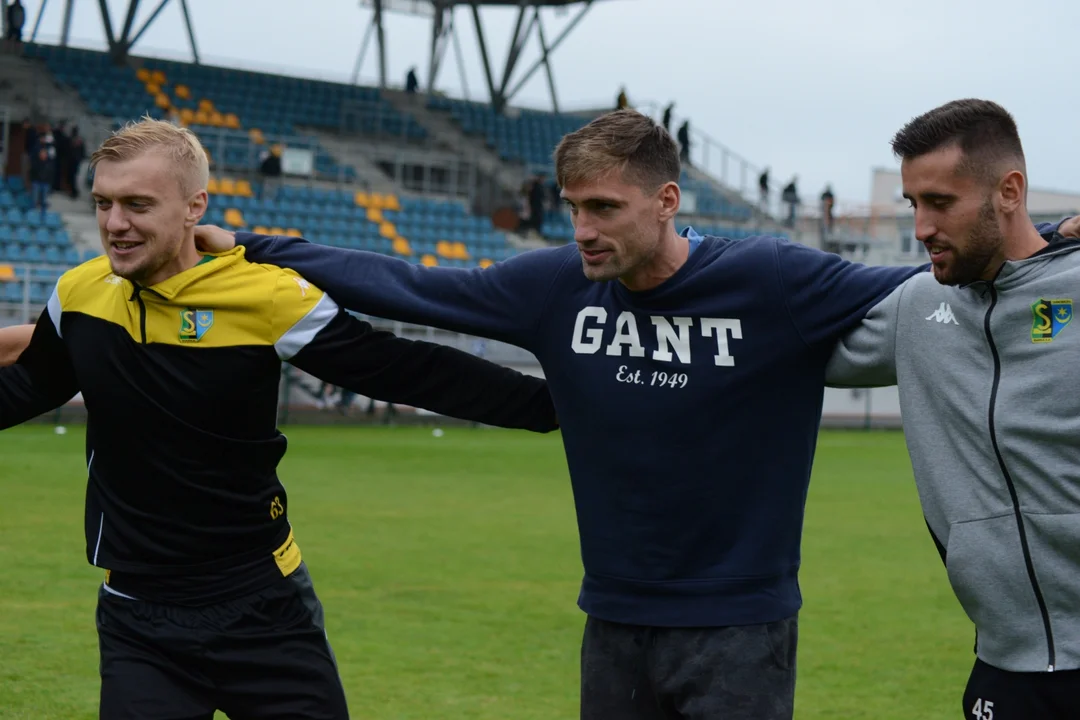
(987, 382)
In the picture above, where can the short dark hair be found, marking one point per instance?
(984, 131)
(623, 139)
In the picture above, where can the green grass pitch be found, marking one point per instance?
(449, 570)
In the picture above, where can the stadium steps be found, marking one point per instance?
(79, 220)
(27, 88)
(351, 154)
(442, 128)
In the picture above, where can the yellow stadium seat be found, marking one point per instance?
(143, 74)
(187, 116)
(183, 92)
(206, 106)
(231, 121)
(162, 101)
(374, 215)
(153, 88)
(361, 199)
(443, 249)
(158, 77)
(429, 261)
(390, 202)
(243, 189)
(376, 200)
(401, 246)
(234, 217)
(276, 231)
(485, 263)
(387, 230)
(293, 232)
(201, 118)
(226, 186)
(7, 272)
(212, 186)
(460, 251)
(260, 230)
(217, 119)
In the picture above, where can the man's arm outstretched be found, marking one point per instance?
(504, 302)
(43, 378)
(13, 340)
(314, 334)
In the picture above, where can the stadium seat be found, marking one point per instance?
(234, 218)
(429, 261)
(485, 263)
(243, 189)
(293, 232)
(401, 246)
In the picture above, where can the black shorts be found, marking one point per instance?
(264, 655)
(994, 694)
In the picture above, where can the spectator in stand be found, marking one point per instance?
(42, 173)
(683, 137)
(62, 157)
(537, 192)
(667, 116)
(76, 156)
(16, 19)
(30, 143)
(411, 82)
(828, 201)
(622, 102)
(763, 188)
(790, 196)
(270, 169)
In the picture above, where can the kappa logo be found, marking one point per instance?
(113, 279)
(303, 284)
(943, 314)
(1048, 318)
(194, 324)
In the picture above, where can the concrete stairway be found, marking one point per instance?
(447, 135)
(350, 153)
(79, 219)
(28, 89)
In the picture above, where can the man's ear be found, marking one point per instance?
(669, 196)
(1013, 190)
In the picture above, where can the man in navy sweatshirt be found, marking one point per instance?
(668, 356)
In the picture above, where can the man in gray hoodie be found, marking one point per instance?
(985, 364)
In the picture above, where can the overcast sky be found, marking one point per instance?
(813, 88)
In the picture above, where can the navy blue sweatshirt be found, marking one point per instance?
(689, 412)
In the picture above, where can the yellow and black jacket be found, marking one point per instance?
(181, 382)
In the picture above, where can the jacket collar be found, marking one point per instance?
(211, 263)
(1013, 272)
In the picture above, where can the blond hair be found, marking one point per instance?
(623, 140)
(178, 144)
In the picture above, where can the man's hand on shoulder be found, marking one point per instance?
(13, 340)
(212, 239)
(1070, 228)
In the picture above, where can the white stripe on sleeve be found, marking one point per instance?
(303, 332)
(55, 309)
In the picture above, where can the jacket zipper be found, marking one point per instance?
(1012, 488)
(137, 297)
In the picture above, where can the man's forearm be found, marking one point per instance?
(13, 340)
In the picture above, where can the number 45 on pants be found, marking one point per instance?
(983, 709)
